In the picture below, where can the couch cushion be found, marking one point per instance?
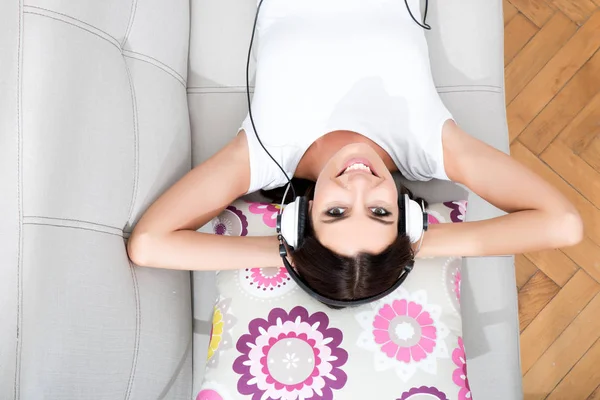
(101, 130)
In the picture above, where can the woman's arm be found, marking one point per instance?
(540, 217)
(166, 237)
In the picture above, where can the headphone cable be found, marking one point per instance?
(290, 185)
(423, 25)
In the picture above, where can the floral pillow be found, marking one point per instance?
(270, 340)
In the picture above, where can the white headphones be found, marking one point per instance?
(416, 219)
(291, 222)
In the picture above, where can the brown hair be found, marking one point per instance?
(348, 278)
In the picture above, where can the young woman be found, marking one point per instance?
(344, 97)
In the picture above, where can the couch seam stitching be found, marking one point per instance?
(219, 87)
(470, 91)
(480, 86)
(133, 11)
(76, 26)
(73, 219)
(138, 323)
(72, 227)
(133, 197)
(135, 141)
(160, 63)
(159, 66)
(230, 92)
(70, 17)
(19, 344)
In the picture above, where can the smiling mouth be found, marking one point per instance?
(357, 166)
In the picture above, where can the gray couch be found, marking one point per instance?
(104, 105)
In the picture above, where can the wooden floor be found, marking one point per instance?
(552, 70)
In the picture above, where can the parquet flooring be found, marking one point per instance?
(552, 75)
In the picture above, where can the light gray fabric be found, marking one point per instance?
(10, 228)
(466, 50)
(94, 127)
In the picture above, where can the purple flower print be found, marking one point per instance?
(289, 356)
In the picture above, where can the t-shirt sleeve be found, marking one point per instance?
(435, 149)
(427, 137)
(264, 173)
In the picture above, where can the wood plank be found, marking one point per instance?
(582, 130)
(536, 53)
(555, 317)
(581, 381)
(589, 212)
(534, 97)
(538, 11)
(555, 264)
(509, 11)
(578, 10)
(574, 170)
(516, 34)
(524, 270)
(565, 352)
(587, 255)
(595, 395)
(564, 107)
(591, 154)
(534, 296)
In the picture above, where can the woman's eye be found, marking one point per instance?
(336, 211)
(380, 212)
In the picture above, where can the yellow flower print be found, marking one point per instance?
(216, 333)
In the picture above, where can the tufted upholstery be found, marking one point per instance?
(94, 128)
(95, 124)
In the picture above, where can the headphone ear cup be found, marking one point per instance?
(414, 220)
(289, 224)
(293, 222)
(302, 220)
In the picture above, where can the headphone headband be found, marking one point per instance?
(291, 222)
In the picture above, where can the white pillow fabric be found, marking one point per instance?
(270, 340)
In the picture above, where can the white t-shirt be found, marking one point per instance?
(356, 65)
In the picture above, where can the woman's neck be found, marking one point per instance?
(318, 154)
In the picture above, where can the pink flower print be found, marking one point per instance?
(459, 376)
(266, 282)
(290, 356)
(209, 394)
(459, 209)
(457, 285)
(405, 331)
(268, 210)
(268, 278)
(432, 219)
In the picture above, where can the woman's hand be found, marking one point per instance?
(539, 216)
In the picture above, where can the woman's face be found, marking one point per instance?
(355, 206)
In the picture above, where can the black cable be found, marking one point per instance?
(423, 25)
(250, 105)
